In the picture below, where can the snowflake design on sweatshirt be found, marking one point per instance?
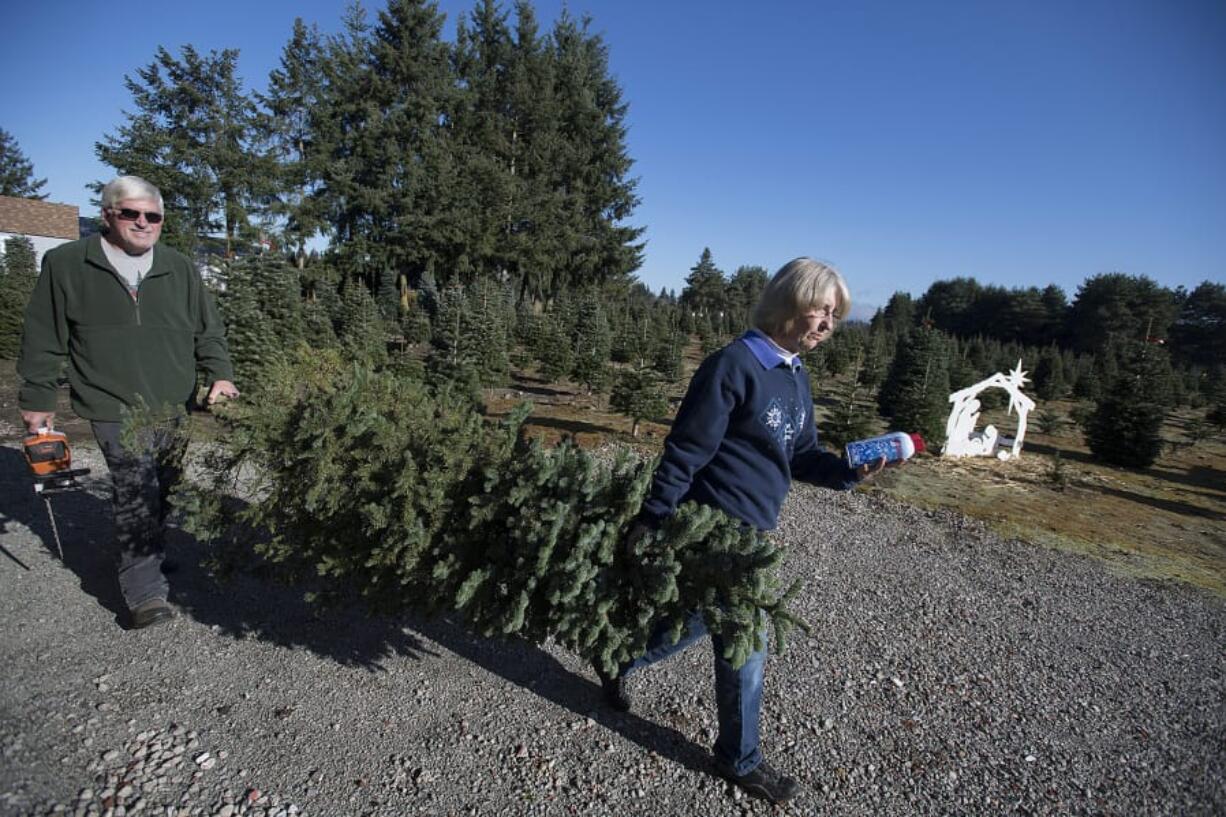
(783, 422)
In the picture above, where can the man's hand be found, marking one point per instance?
(870, 469)
(35, 420)
(221, 390)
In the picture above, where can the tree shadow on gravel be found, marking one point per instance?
(244, 606)
(527, 665)
(254, 605)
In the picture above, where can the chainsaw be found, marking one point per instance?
(50, 461)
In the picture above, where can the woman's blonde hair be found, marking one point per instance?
(800, 285)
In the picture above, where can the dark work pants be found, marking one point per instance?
(140, 485)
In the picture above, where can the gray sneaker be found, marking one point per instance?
(763, 782)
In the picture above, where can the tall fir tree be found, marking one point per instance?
(394, 145)
(17, 171)
(592, 159)
(704, 286)
(192, 134)
(317, 331)
(287, 126)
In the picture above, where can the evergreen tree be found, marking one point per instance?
(1049, 375)
(897, 317)
(709, 338)
(450, 328)
(668, 356)
(591, 159)
(1116, 305)
(253, 343)
(17, 277)
(362, 334)
(592, 344)
(854, 416)
(704, 286)
(365, 482)
(950, 305)
(415, 323)
(638, 394)
(1125, 428)
(1087, 385)
(487, 332)
(387, 176)
(17, 172)
(287, 126)
(192, 134)
(743, 292)
(1198, 335)
(483, 136)
(915, 393)
(552, 348)
(317, 331)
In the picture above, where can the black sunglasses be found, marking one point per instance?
(128, 214)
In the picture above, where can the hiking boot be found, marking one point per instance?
(615, 693)
(763, 782)
(148, 613)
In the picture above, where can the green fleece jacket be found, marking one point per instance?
(120, 351)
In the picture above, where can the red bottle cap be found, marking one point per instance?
(919, 442)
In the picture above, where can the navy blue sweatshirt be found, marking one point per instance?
(745, 430)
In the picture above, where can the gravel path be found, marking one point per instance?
(950, 672)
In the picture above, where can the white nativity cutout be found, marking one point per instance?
(961, 439)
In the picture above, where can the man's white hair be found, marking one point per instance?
(121, 188)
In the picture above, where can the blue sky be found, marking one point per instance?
(1018, 143)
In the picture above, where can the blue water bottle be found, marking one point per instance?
(894, 446)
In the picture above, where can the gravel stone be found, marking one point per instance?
(950, 671)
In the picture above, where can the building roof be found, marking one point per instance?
(34, 217)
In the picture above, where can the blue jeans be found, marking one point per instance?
(140, 486)
(738, 692)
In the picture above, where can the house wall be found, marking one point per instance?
(41, 245)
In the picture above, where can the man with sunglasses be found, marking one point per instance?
(134, 324)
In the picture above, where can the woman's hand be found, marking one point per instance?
(870, 469)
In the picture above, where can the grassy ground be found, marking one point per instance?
(1164, 522)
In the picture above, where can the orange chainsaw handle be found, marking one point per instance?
(47, 451)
